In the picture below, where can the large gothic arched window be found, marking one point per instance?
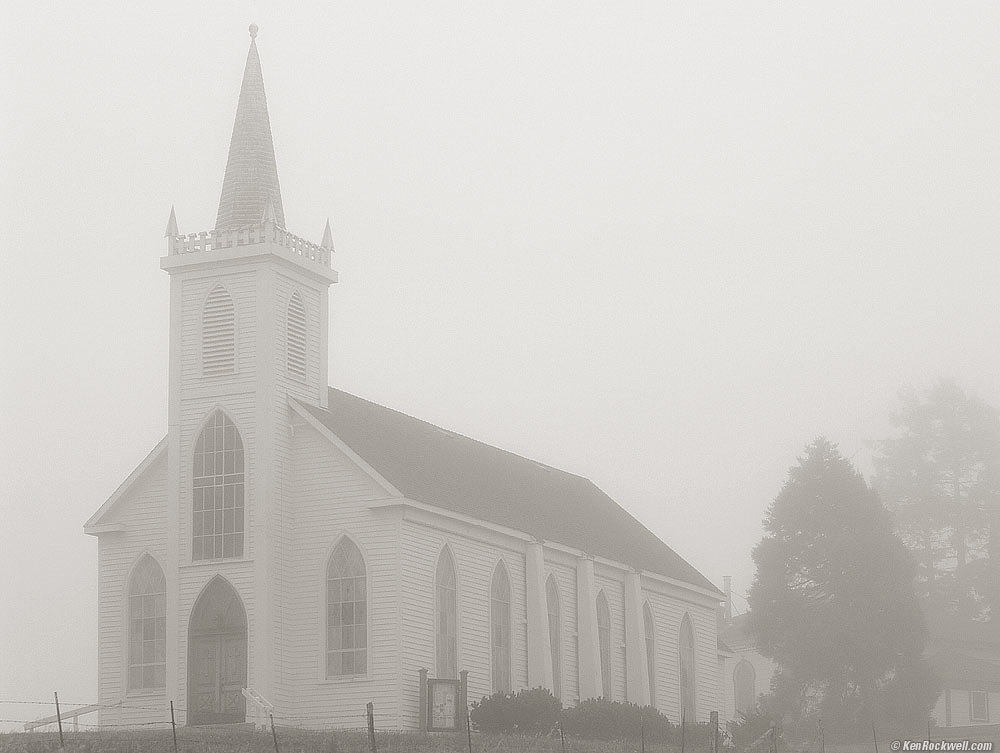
(346, 612)
(555, 633)
(446, 616)
(604, 641)
(147, 626)
(500, 629)
(218, 333)
(217, 526)
(687, 669)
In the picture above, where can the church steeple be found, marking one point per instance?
(251, 179)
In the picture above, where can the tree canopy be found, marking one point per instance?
(833, 603)
(940, 478)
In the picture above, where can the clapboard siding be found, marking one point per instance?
(668, 611)
(329, 497)
(613, 585)
(475, 562)
(143, 513)
(566, 583)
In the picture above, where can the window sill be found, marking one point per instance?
(344, 679)
(217, 562)
(146, 693)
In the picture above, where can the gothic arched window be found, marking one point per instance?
(604, 640)
(217, 526)
(295, 343)
(687, 669)
(744, 680)
(218, 333)
(500, 629)
(446, 616)
(147, 626)
(346, 612)
(649, 628)
(555, 632)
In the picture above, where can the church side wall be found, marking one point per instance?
(476, 554)
(668, 610)
(143, 513)
(329, 497)
(565, 574)
(613, 585)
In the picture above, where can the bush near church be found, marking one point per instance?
(527, 712)
(600, 719)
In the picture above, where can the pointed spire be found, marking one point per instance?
(251, 179)
(327, 241)
(171, 231)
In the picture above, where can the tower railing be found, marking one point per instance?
(250, 235)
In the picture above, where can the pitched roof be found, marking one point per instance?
(251, 171)
(441, 468)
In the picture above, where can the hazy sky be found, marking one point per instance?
(662, 245)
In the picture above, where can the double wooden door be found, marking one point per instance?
(217, 656)
(219, 674)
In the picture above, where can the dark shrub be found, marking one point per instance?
(527, 712)
(598, 719)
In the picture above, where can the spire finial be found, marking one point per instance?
(171, 230)
(327, 241)
(253, 31)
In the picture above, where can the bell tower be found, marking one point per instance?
(248, 331)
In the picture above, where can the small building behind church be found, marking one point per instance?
(290, 546)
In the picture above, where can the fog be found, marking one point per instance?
(663, 246)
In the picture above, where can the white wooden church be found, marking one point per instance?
(290, 545)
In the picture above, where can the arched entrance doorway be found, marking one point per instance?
(217, 656)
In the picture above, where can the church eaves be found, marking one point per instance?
(251, 180)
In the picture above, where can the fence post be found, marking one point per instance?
(274, 735)
(173, 725)
(59, 720)
(562, 737)
(642, 733)
(468, 726)
(683, 725)
(822, 737)
(371, 727)
(928, 730)
(874, 737)
(714, 721)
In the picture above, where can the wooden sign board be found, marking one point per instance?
(443, 711)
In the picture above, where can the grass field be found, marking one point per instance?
(243, 739)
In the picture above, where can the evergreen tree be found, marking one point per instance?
(833, 603)
(940, 478)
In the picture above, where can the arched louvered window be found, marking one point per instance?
(687, 670)
(446, 616)
(649, 628)
(500, 629)
(217, 527)
(218, 333)
(745, 692)
(604, 641)
(346, 612)
(555, 634)
(296, 337)
(147, 626)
